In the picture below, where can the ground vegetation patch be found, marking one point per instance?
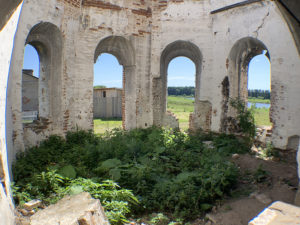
(133, 173)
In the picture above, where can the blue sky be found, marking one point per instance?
(181, 70)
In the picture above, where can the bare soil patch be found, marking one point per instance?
(262, 182)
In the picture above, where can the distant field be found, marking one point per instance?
(258, 100)
(102, 125)
(261, 117)
(182, 107)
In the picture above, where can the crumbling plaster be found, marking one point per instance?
(264, 22)
(137, 32)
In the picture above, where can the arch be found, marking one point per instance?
(123, 50)
(46, 38)
(173, 50)
(118, 46)
(238, 61)
(235, 85)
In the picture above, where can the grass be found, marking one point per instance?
(182, 107)
(261, 117)
(103, 125)
(258, 100)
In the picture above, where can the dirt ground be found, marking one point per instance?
(262, 182)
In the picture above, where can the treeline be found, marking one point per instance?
(263, 94)
(99, 86)
(190, 91)
(181, 91)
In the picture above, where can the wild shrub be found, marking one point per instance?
(50, 187)
(245, 118)
(168, 171)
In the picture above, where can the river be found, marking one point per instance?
(258, 105)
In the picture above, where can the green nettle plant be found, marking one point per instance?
(134, 172)
(245, 118)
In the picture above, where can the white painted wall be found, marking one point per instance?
(7, 35)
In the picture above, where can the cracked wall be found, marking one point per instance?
(144, 36)
(263, 22)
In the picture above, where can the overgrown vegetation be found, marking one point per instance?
(245, 118)
(168, 171)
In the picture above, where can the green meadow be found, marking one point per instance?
(261, 115)
(258, 100)
(182, 107)
(103, 125)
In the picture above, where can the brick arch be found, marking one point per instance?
(238, 61)
(173, 50)
(46, 38)
(118, 46)
(235, 84)
(123, 50)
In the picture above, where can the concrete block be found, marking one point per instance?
(278, 213)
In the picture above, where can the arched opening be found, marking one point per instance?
(259, 88)
(30, 84)
(108, 93)
(181, 89)
(44, 38)
(122, 50)
(243, 75)
(161, 117)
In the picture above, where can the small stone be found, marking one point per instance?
(31, 212)
(209, 144)
(252, 195)
(235, 156)
(214, 209)
(211, 218)
(208, 223)
(24, 212)
(261, 198)
(32, 204)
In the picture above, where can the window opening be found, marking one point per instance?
(181, 89)
(108, 80)
(259, 88)
(30, 84)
